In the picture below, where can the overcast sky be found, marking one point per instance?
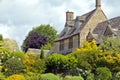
(18, 17)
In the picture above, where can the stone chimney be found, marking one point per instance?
(98, 4)
(69, 16)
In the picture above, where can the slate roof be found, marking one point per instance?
(109, 27)
(74, 30)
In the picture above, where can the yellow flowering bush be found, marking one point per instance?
(33, 64)
(16, 77)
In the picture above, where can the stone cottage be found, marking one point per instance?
(89, 26)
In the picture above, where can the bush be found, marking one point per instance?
(58, 63)
(16, 77)
(103, 73)
(1, 37)
(34, 76)
(42, 54)
(2, 76)
(5, 55)
(49, 76)
(33, 64)
(90, 76)
(13, 66)
(73, 78)
(87, 59)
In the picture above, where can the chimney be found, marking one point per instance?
(98, 4)
(69, 16)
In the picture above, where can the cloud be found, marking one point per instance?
(18, 17)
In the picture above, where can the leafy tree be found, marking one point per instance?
(103, 73)
(110, 44)
(46, 30)
(47, 46)
(34, 40)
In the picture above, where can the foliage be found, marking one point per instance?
(60, 63)
(16, 77)
(112, 61)
(87, 59)
(34, 40)
(4, 55)
(46, 30)
(103, 73)
(13, 66)
(2, 76)
(42, 54)
(1, 44)
(33, 64)
(116, 76)
(47, 46)
(110, 44)
(89, 45)
(10, 44)
(73, 78)
(34, 76)
(87, 56)
(17, 54)
(7, 54)
(49, 76)
(90, 76)
(1, 37)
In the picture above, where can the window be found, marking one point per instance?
(61, 45)
(70, 42)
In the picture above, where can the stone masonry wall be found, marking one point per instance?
(96, 18)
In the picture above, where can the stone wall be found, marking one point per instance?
(97, 17)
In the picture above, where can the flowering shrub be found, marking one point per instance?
(16, 77)
(13, 66)
(33, 64)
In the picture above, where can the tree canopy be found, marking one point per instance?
(39, 36)
(34, 40)
(46, 30)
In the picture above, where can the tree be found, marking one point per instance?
(34, 40)
(46, 30)
(42, 54)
